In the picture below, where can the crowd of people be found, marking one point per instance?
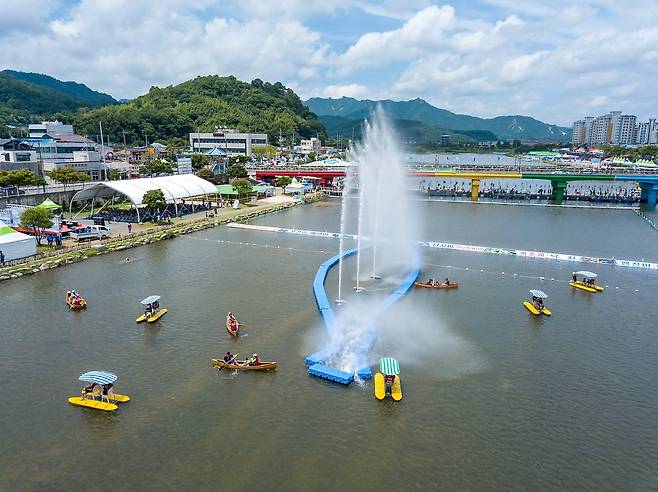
(95, 391)
(170, 211)
(532, 191)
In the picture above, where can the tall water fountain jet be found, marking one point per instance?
(387, 230)
(347, 189)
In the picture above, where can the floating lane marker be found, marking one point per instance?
(543, 255)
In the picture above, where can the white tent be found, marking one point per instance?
(297, 187)
(15, 245)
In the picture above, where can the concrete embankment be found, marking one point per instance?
(74, 255)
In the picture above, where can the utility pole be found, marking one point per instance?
(100, 125)
(124, 138)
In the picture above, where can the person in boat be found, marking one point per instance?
(540, 304)
(254, 360)
(430, 281)
(88, 391)
(229, 358)
(574, 277)
(108, 389)
(388, 382)
(447, 282)
(148, 311)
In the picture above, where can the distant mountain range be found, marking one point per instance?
(76, 90)
(409, 131)
(503, 127)
(26, 97)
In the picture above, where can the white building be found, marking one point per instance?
(647, 133)
(613, 128)
(58, 149)
(15, 155)
(85, 161)
(232, 141)
(311, 145)
(38, 130)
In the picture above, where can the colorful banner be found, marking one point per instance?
(467, 247)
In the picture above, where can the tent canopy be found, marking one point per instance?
(389, 366)
(14, 244)
(49, 204)
(176, 187)
(539, 293)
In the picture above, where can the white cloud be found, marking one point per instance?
(349, 90)
(556, 60)
(422, 32)
(125, 47)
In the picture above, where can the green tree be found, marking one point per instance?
(242, 186)
(312, 157)
(236, 171)
(283, 181)
(154, 200)
(206, 174)
(20, 177)
(114, 175)
(200, 161)
(36, 219)
(155, 166)
(238, 159)
(264, 151)
(66, 175)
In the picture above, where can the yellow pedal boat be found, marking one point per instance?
(152, 312)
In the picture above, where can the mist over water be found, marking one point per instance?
(387, 229)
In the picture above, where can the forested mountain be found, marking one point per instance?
(204, 104)
(504, 127)
(78, 91)
(409, 131)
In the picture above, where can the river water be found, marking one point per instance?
(494, 398)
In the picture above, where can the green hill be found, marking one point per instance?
(204, 103)
(21, 102)
(84, 94)
(504, 127)
(409, 131)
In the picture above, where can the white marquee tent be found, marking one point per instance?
(176, 187)
(14, 244)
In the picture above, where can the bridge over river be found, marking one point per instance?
(559, 176)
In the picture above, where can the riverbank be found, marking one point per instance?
(157, 233)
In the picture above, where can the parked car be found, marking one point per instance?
(89, 233)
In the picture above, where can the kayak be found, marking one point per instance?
(233, 333)
(584, 287)
(81, 304)
(380, 386)
(263, 366)
(436, 286)
(396, 389)
(95, 404)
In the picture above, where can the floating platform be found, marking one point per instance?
(330, 373)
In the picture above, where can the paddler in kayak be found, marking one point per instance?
(446, 282)
(254, 360)
(229, 358)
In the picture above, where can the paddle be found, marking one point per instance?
(219, 368)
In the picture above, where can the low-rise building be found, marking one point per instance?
(313, 145)
(38, 130)
(88, 162)
(230, 140)
(15, 154)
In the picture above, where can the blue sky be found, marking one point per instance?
(551, 59)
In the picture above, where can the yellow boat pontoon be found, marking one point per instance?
(99, 394)
(585, 281)
(387, 382)
(536, 306)
(153, 311)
